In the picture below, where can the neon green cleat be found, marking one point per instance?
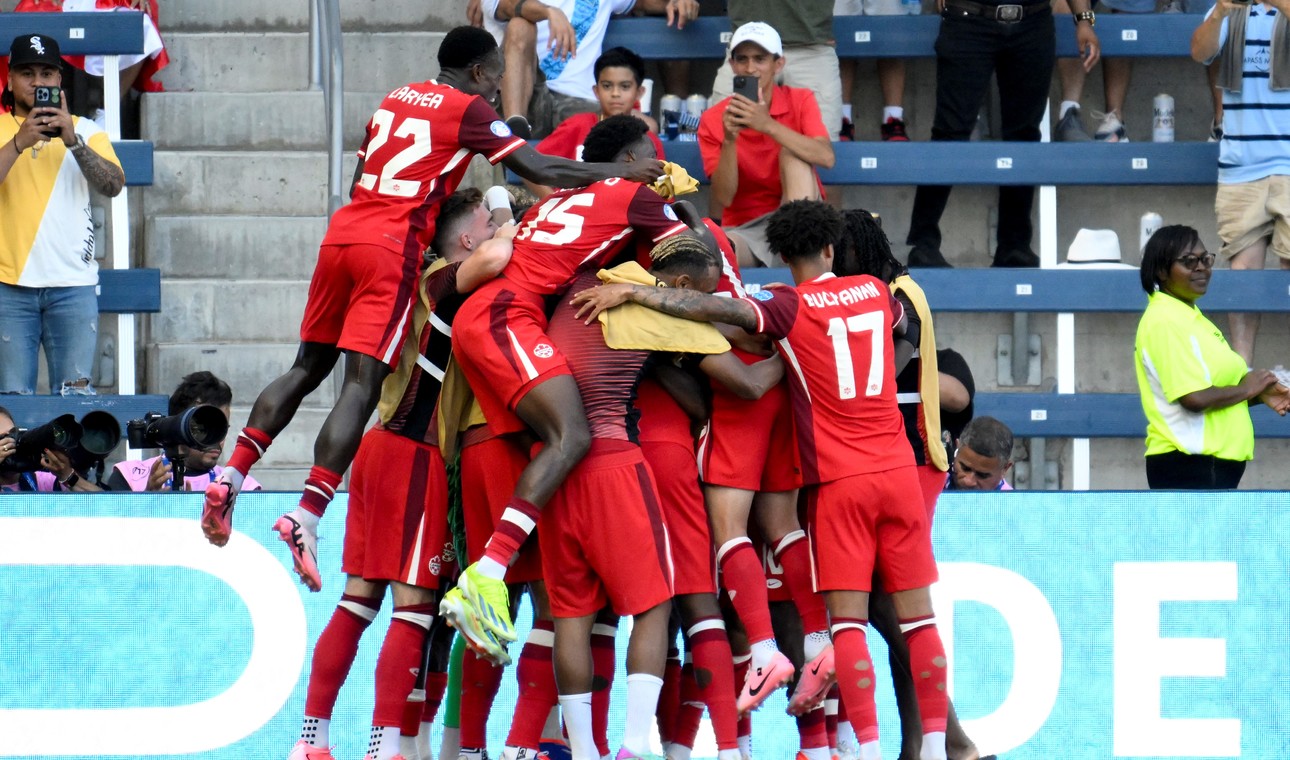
(490, 601)
(461, 615)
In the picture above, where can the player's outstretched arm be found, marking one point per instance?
(562, 172)
(687, 304)
(747, 381)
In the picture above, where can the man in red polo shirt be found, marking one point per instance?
(761, 155)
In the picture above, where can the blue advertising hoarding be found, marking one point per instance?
(1079, 625)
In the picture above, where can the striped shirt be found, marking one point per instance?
(1256, 120)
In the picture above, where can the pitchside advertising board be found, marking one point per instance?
(1089, 625)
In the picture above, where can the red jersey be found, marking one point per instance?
(566, 141)
(835, 335)
(585, 228)
(418, 146)
(662, 420)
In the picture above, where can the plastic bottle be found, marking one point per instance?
(1151, 221)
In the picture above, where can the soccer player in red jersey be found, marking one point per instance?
(397, 523)
(415, 154)
(865, 510)
(516, 370)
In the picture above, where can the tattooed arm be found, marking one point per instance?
(687, 304)
(101, 174)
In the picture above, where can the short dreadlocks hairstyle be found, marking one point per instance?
(865, 249)
(611, 137)
(802, 229)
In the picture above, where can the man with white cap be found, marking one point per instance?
(761, 154)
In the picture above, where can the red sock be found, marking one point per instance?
(536, 675)
(334, 653)
(399, 661)
(251, 445)
(794, 555)
(742, 662)
(690, 714)
(851, 653)
(517, 523)
(669, 698)
(927, 662)
(320, 489)
(479, 684)
(436, 686)
(714, 674)
(810, 727)
(831, 715)
(602, 664)
(744, 578)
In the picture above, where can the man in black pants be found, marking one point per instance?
(1016, 42)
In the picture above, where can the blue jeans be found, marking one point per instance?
(64, 320)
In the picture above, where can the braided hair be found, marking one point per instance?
(865, 249)
(683, 254)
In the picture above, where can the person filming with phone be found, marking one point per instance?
(49, 162)
(761, 145)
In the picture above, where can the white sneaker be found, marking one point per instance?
(1111, 129)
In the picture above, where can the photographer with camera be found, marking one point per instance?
(198, 411)
(49, 161)
(57, 473)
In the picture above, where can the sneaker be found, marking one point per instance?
(520, 127)
(818, 676)
(893, 130)
(847, 751)
(625, 754)
(926, 258)
(555, 750)
(490, 601)
(459, 614)
(761, 682)
(306, 751)
(1015, 259)
(217, 512)
(1216, 131)
(848, 131)
(1070, 128)
(1111, 129)
(1172, 6)
(304, 550)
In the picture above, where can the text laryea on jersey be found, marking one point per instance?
(414, 98)
(853, 294)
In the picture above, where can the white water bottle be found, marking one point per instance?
(1151, 222)
(1162, 118)
(912, 7)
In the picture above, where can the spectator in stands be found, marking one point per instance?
(1016, 43)
(57, 473)
(983, 457)
(200, 465)
(1195, 389)
(807, 48)
(891, 74)
(560, 40)
(762, 154)
(49, 162)
(619, 74)
(1253, 200)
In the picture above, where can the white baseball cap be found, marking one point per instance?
(759, 33)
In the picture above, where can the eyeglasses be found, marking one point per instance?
(1193, 260)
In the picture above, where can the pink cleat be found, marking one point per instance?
(761, 682)
(818, 676)
(306, 751)
(217, 512)
(304, 550)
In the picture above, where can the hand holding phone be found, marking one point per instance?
(748, 87)
(49, 96)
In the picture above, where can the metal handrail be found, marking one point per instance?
(327, 72)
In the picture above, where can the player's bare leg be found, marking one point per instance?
(646, 660)
(334, 451)
(573, 677)
(273, 410)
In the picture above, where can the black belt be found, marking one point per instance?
(1004, 14)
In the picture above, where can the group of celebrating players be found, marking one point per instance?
(566, 361)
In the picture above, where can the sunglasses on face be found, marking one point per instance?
(1193, 260)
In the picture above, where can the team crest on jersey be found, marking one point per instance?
(500, 129)
(435, 566)
(543, 351)
(763, 295)
(669, 212)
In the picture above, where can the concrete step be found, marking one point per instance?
(246, 367)
(259, 120)
(279, 61)
(239, 183)
(293, 448)
(246, 15)
(204, 246)
(228, 310)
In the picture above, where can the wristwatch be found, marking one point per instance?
(79, 146)
(1088, 16)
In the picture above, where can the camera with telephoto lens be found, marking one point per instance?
(61, 433)
(197, 427)
(49, 97)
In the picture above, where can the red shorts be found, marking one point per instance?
(499, 340)
(360, 299)
(489, 471)
(872, 520)
(397, 525)
(932, 481)
(605, 537)
(751, 445)
(676, 474)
